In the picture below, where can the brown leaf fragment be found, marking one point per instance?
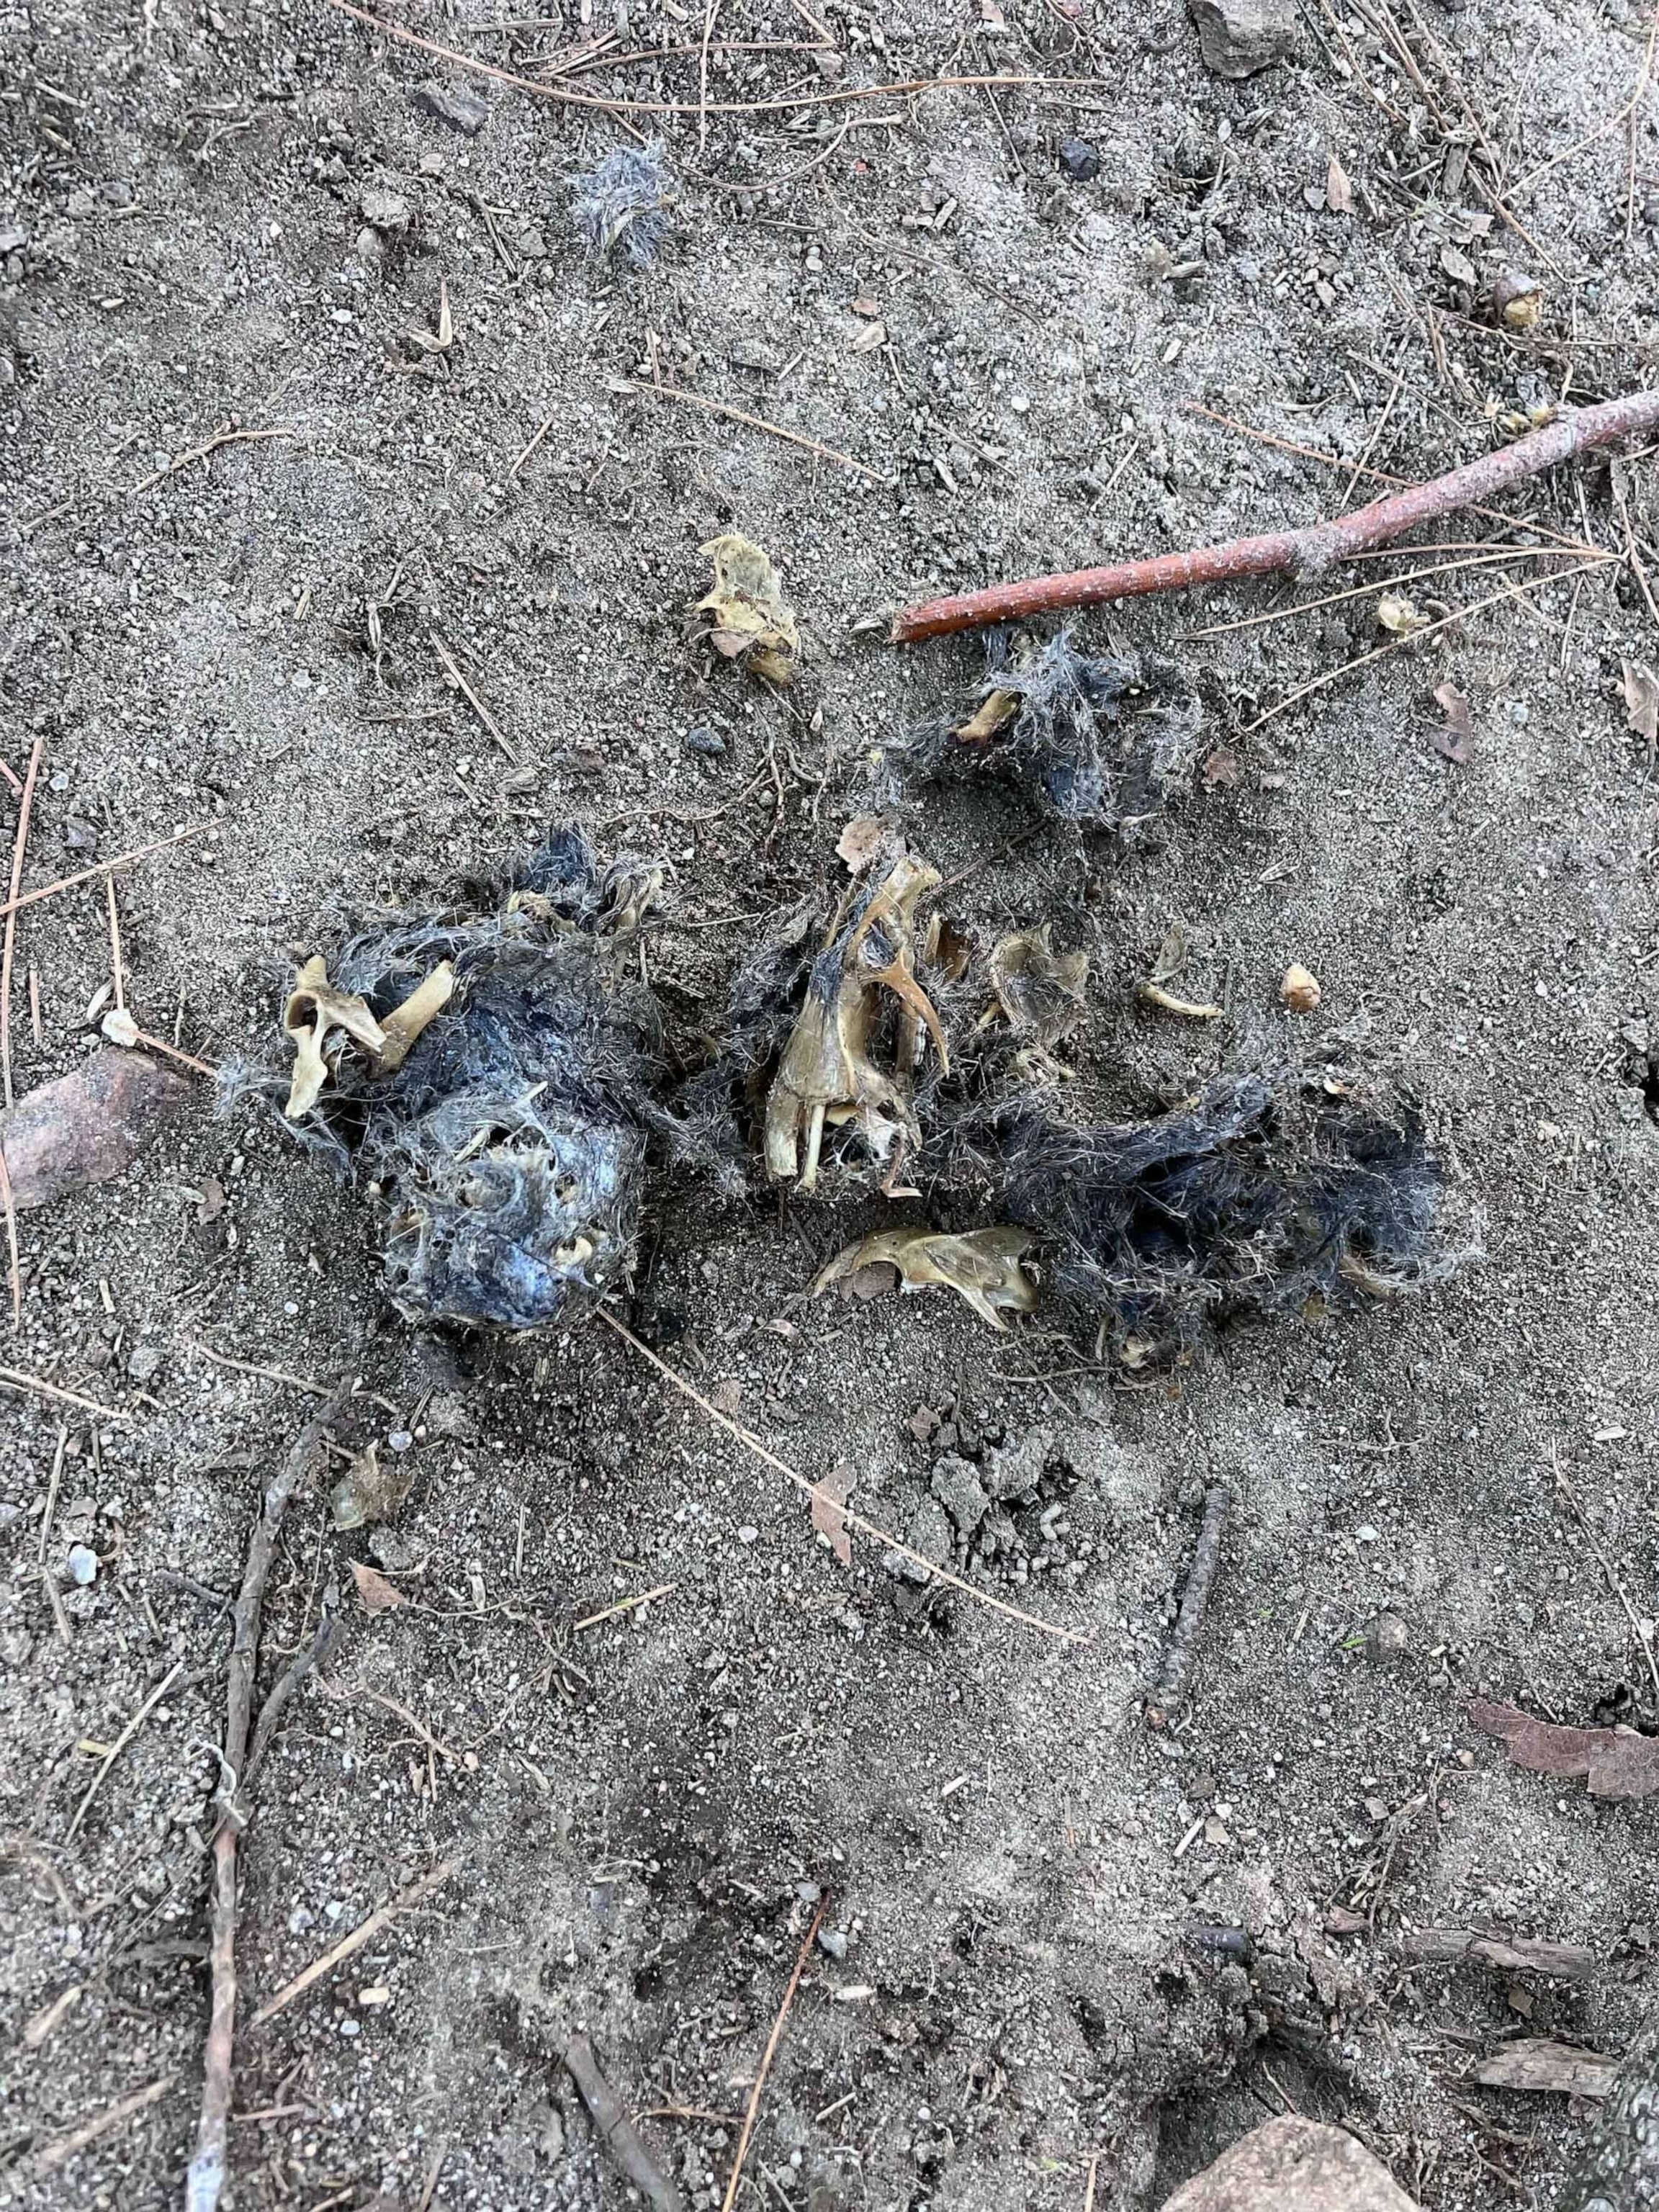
(743, 615)
(1615, 1762)
(1453, 741)
(830, 1495)
(86, 1127)
(1458, 266)
(1338, 193)
(1641, 690)
(1040, 991)
(1534, 2063)
(1509, 1954)
(1220, 770)
(378, 1595)
(368, 1492)
(982, 1266)
(872, 336)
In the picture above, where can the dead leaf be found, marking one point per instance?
(829, 1497)
(368, 1492)
(1171, 955)
(1398, 616)
(212, 1203)
(861, 841)
(378, 1595)
(1220, 770)
(982, 1266)
(872, 336)
(1338, 193)
(1453, 742)
(1615, 1762)
(1641, 688)
(1533, 2062)
(744, 616)
(727, 1397)
(1458, 266)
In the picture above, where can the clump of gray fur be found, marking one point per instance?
(622, 207)
(508, 1152)
(1104, 741)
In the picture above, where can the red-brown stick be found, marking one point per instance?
(1303, 553)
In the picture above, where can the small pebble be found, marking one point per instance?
(833, 1941)
(747, 1535)
(399, 1440)
(1078, 160)
(82, 1565)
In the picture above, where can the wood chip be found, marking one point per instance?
(1614, 1762)
(830, 1495)
(1537, 2064)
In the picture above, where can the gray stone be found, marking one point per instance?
(386, 211)
(1239, 37)
(957, 1486)
(82, 1565)
(1293, 2166)
(1079, 161)
(462, 110)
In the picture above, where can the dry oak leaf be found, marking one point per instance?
(378, 1595)
(1615, 1762)
(829, 1497)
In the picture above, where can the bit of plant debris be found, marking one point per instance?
(87, 1126)
(743, 615)
(1535, 2063)
(1454, 739)
(982, 1266)
(1516, 301)
(1640, 687)
(1615, 1762)
(1175, 1671)
(829, 1074)
(1509, 1954)
(621, 207)
(501, 1100)
(1093, 740)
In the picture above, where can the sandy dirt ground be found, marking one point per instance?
(1062, 1957)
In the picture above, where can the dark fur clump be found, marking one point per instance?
(1105, 741)
(1258, 1199)
(509, 1149)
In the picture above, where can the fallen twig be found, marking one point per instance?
(759, 422)
(451, 667)
(748, 1438)
(19, 848)
(1172, 1675)
(201, 452)
(17, 902)
(771, 2052)
(625, 104)
(14, 1378)
(121, 1743)
(405, 1901)
(616, 2131)
(206, 2174)
(1304, 553)
(58, 2153)
(1569, 1962)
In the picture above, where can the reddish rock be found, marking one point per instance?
(87, 1126)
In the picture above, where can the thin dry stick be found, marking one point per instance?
(1381, 584)
(712, 10)
(60, 2153)
(58, 1459)
(117, 966)
(14, 1264)
(623, 1605)
(1305, 553)
(348, 1946)
(14, 1378)
(748, 1438)
(772, 2042)
(1416, 636)
(15, 903)
(121, 1743)
(1643, 1631)
(617, 2131)
(19, 847)
(1176, 1669)
(530, 448)
(451, 669)
(206, 2176)
(626, 104)
(265, 1374)
(759, 422)
(171, 1052)
(201, 452)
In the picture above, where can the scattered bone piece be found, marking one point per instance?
(404, 1025)
(87, 1126)
(1039, 990)
(982, 1266)
(315, 1007)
